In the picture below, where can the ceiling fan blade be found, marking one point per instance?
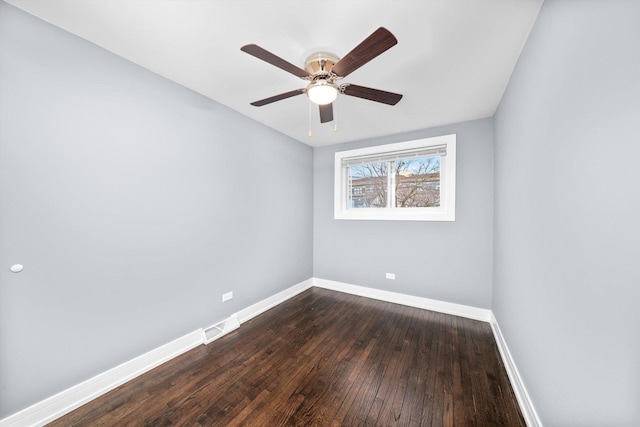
(378, 42)
(326, 113)
(265, 55)
(275, 98)
(372, 94)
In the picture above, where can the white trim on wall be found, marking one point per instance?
(270, 302)
(481, 314)
(474, 313)
(526, 405)
(66, 401)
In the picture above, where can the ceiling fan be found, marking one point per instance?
(323, 70)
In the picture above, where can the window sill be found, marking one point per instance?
(395, 215)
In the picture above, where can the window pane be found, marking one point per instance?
(368, 185)
(418, 182)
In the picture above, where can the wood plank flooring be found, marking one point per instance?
(324, 358)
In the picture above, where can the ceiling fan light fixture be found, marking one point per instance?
(322, 92)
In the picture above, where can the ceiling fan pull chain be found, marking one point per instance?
(310, 105)
(335, 117)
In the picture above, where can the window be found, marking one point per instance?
(412, 180)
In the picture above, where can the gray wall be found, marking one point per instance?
(448, 261)
(567, 214)
(133, 204)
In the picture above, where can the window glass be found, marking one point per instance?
(368, 185)
(417, 182)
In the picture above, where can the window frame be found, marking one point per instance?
(444, 212)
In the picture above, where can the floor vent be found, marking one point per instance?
(218, 330)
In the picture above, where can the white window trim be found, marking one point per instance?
(446, 210)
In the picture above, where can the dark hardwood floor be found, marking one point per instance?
(324, 358)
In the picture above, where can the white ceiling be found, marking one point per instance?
(452, 62)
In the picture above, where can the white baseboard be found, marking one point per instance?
(526, 406)
(474, 313)
(270, 302)
(66, 401)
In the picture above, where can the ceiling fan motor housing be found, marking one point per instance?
(320, 63)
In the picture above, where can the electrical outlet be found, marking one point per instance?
(391, 276)
(227, 296)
